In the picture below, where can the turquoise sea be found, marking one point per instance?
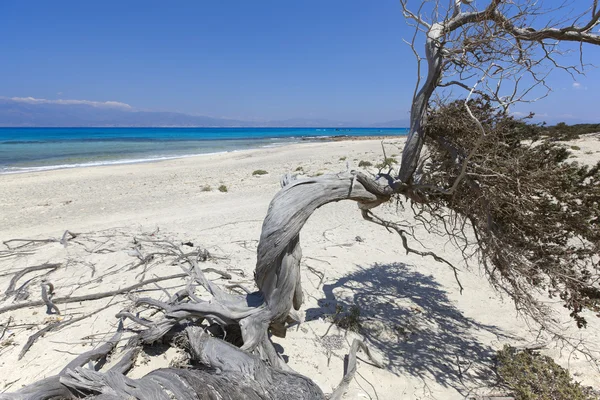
(37, 149)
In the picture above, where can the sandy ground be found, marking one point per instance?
(435, 342)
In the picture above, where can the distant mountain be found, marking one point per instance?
(311, 123)
(30, 112)
(398, 123)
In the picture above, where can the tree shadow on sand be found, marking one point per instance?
(408, 317)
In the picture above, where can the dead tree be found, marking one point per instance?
(476, 49)
(500, 54)
(502, 51)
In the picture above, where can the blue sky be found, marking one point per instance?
(255, 60)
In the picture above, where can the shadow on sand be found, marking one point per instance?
(408, 317)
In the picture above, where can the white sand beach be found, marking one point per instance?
(436, 343)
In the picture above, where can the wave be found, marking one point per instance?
(18, 170)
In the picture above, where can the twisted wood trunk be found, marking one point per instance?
(221, 370)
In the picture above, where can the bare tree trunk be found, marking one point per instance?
(418, 112)
(254, 371)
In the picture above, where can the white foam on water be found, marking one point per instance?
(18, 170)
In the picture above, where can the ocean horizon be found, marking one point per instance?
(28, 149)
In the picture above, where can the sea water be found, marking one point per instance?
(36, 149)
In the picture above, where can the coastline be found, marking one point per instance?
(418, 321)
(91, 186)
(53, 148)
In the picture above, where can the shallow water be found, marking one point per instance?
(34, 149)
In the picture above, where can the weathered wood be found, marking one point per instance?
(52, 327)
(93, 296)
(47, 293)
(254, 371)
(240, 376)
(13, 282)
(278, 259)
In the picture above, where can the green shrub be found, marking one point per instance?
(364, 163)
(343, 158)
(260, 172)
(532, 376)
(223, 188)
(206, 188)
(575, 148)
(388, 162)
(562, 131)
(349, 320)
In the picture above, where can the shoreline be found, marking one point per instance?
(129, 161)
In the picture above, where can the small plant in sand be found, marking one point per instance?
(343, 158)
(532, 376)
(7, 342)
(388, 162)
(576, 148)
(223, 189)
(260, 172)
(206, 188)
(364, 163)
(349, 320)
(299, 169)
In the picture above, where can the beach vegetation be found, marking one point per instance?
(206, 188)
(299, 169)
(223, 189)
(259, 172)
(526, 204)
(564, 132)
(533, 376)
(343, 158)
(348, 319)
(364, 163)
(388, 162)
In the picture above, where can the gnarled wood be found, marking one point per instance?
(254, 371)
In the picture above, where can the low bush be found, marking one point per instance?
(349, 320)
(532, 376)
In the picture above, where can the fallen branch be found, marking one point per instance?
(13, 282)
(94, 296)
(351, 368)
(51, 328)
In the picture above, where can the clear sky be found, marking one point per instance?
(261, 59)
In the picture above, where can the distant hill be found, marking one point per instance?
(397, 123)
(24, 114)
(29, 112)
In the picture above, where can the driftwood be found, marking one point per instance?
(52, 327)
(248, 366)
(47, 293)
(64, 240)
(93, 296)
(13, 282)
